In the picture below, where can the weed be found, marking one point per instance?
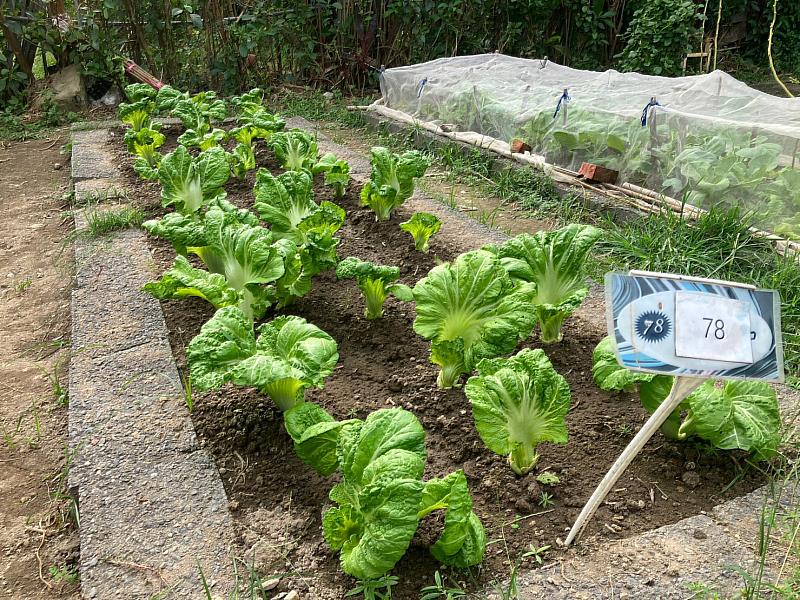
(103, 222)
(488, 217)
(23, 285)
(624, 430)
(59, 393)
(439, 591)
(375, 589)
(188, 396)
(545, 499)
(63, 574)
(536, 553)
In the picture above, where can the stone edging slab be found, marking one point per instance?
(152, 504)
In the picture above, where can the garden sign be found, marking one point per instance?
(690, 328)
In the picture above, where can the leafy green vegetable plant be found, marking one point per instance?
(296, 149)
(376, 282)
(249, 103)
(242, 160)
(470, 309)
(422, 226)
(517, 403)
(202, 139)
(137, 114)
(392, 180)
(740, 414)
(553, 261)
(145, 144)
(189, 183)
(286, 203)
(381, 497)
(337, 173)
(244, 255)
(288, 356)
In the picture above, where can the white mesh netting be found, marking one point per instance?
(711, 139)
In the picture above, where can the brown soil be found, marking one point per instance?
(278, 501)
(35, 271)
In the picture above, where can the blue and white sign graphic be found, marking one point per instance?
(683, 326)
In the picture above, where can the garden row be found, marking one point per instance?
(474, 310)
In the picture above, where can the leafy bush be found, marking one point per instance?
(289, 356)
(554, 262)
(470, 309)
(145, 144)
(376, 282)
(392, 180)
(659, 35)
(517, 403)
(422, 226)
(242, 254)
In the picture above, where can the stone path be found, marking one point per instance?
(152, 504)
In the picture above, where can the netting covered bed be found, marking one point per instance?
(702, 139)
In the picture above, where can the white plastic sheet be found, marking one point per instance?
(708, 139)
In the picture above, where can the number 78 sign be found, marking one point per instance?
(683, 326)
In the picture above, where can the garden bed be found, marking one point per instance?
(277, 501)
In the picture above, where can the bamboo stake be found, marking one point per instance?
(682, 387)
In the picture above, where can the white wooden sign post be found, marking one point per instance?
(693, 329)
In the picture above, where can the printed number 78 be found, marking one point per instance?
(719, 327)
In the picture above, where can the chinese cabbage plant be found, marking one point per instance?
(376, 282)
(422, 226)
(145, 144)
(138, 112)
(286, 202)
(392, 180)
(381, 497)
(517, 403)
(187, 183)
(337, 173)
(242, 254)
(554, 262)
(470, 309)
(738, 414)
(197, 114)
(289, 356)
(242, 160)
(296, 149)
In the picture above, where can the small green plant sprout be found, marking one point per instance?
(376, 282)
(392, 180)
(64, 574)
(545, 499)
(517, 403)
(440, 591)
(548, 478)
(23, 285)
(337, 173)
(536, 553)
(422, 226)
(374, 589)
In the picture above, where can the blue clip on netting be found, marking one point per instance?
(653, 102)
(565, 97)
(421, 87)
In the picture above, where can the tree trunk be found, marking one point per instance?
(16, 48)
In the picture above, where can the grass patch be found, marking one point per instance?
(103, 222)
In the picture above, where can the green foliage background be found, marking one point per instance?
(230, 45)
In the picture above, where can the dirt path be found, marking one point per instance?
(38, 540)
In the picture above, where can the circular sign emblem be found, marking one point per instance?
(652, 326)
